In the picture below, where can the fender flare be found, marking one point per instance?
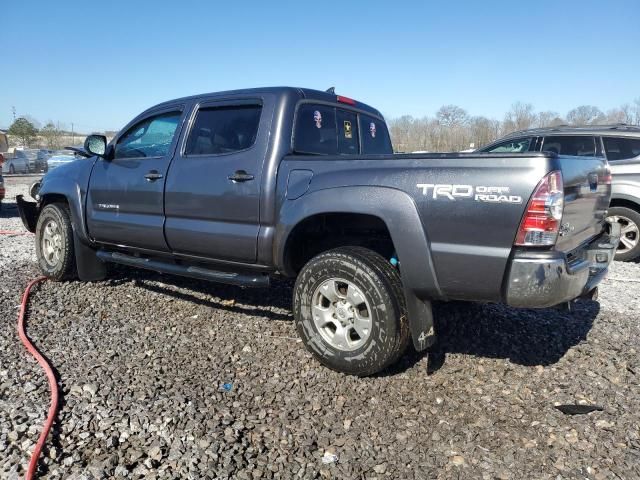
(399, 213)
(90, 267)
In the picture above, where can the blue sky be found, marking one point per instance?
(72, 61)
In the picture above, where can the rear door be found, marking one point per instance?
(586, 188)
(125, 199)
(212, 200)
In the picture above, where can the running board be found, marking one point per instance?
(230, 278)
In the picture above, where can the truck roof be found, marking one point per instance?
(298, 93)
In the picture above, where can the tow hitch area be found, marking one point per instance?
(28, 213)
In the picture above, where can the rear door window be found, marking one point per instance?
(581, 146)
(220, 130)
(347, 123)
(375, 136)
(315, 130)
(621, 148)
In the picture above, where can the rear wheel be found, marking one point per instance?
(350, 310)
(54, 242)
(629, 220)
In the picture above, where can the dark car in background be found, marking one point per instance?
(619, 144)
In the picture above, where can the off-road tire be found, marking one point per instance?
(634, 216)
(381, 285)
(64, 268)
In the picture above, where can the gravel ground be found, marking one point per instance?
(166, 377)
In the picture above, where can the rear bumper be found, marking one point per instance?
(546, 279)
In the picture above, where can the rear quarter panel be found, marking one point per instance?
(470, 241)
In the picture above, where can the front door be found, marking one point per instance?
(125, 199)
(212, 200)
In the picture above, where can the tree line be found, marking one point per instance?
(25, 133)
(453, 129)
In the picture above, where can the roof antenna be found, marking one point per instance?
(331, 90)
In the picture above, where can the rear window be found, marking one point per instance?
(327, 130)
(581, 146)
(621, 148)
(220, 130)
(347, 123)
(375, 136)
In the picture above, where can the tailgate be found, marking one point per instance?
(587, 191)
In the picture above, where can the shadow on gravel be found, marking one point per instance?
(525, 337)
(250, 301)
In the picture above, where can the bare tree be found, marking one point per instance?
(585, 115)
(452, 116)
(548, 119)
(52, 136)
(519, 117)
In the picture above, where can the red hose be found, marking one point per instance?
(53, 384)
(11, 232)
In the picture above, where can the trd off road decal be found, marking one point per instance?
(478, 193)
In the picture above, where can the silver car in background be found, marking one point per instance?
(619, 144)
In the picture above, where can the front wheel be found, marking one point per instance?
(350, 312)
(629, 220)
(54, 242)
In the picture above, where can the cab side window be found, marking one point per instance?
(621, 148)
(152, 137)
(518, 145)
(577, 145)
(220, 130)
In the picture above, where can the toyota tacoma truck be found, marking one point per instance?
(240, 186)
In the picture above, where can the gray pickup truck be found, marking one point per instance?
(239, 186)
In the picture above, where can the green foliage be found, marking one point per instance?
(24, 130)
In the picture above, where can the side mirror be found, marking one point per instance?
(96, 145)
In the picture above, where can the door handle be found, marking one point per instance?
(153, 175)
(240, 176)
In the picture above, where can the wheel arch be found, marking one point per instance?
(627, 201)
(392, 208)
(398, 213)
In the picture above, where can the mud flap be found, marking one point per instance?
(28, 213)
(420, 321)
(90, 267)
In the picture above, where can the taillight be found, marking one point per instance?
(541, 221)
